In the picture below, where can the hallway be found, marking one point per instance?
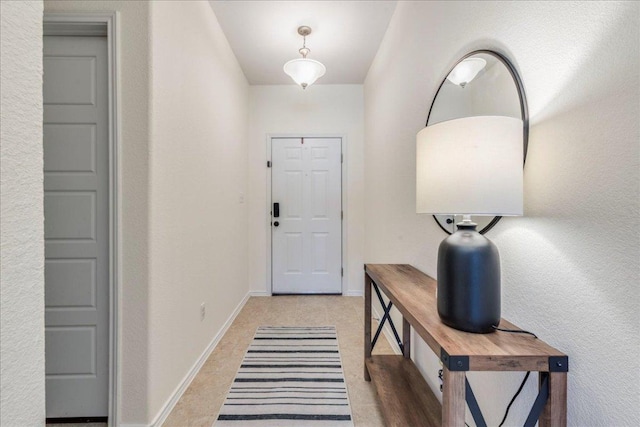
(198, 91)
(202, 400)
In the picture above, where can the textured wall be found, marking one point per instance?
(22, 394)
(570, 265)
(321, 109)
(199, 103)
(133, 180)
(198, 155)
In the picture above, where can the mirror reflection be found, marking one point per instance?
(481, 84)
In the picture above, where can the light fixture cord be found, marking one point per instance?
(304, 51)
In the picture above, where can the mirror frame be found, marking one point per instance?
(524, 111)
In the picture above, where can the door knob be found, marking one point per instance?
(275, 224)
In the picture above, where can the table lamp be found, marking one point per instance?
(470, 166)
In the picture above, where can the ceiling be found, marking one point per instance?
(263, 35)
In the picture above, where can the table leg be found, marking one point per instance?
(406, 338)
(554, 413)
(453, 398)
(367, 324)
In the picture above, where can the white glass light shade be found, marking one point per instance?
(304, 71)
(466, 71)
(470, 166)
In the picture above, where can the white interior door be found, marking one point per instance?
(76, 209)
(306, 181)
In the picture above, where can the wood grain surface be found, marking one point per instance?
(555, 411)
(404, 396)
(413, 293)
(453, 398)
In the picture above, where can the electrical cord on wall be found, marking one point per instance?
(522, 384)
(526, 376)
(515, 396)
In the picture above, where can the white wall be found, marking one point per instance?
(570, 265)
(22, 391)
(183, 145)
(134, 189)
(198, 161)
(320, 109)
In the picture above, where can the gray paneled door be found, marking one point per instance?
(76, 209)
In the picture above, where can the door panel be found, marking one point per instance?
(71, 283)
(76, 208)
(294, 253)
(307, 243)
(293, 194)
(71, 214)
(79, 363)
(70, 148)
(75, 72)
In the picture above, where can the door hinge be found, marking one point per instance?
(341, 158)
(341, 214)
(341, 272)
(268, 163)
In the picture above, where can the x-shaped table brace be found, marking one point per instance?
(472, 403)
(460, 363)
(387, 316)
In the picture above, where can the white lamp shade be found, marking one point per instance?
(304, 71)
(466, 71)
(470, 166)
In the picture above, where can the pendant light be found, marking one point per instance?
(466, 71)
(304, 71)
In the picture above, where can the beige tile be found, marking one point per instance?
(206, 421)
(367, 416)
(202, 401)
(178, 417)
(361, 392)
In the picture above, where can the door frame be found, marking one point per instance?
(343, 191)
(104, 24)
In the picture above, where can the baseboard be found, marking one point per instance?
(259, 294)
(268, 294)
(186, 381)
(353, 294)
(77, 420)
(388, 333)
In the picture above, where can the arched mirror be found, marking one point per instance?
(482, 83)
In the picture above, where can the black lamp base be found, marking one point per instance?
(469, 281)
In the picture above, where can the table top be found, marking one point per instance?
(414, 294)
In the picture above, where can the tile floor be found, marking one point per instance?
(201, 402)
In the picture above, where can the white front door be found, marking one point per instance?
(76, 211)
(306, 203)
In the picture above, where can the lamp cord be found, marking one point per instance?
(515, 396)
(515, 331)
(513, 399)
(522, 384)
(526, 376)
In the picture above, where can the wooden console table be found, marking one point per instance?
(404, 395)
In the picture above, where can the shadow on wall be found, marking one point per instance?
(572, 260)
(585, 79)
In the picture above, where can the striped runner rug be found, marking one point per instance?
(290, 376)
